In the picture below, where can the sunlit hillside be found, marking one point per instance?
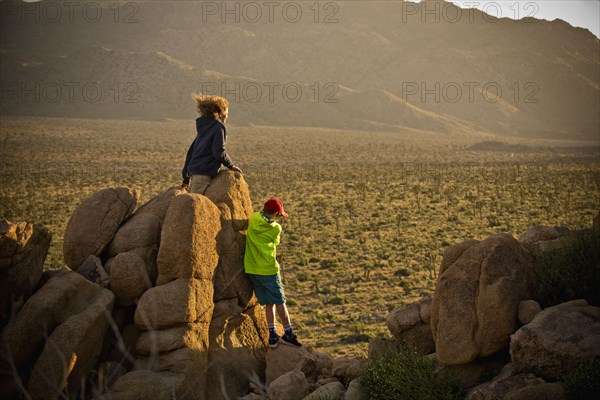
(368, 65)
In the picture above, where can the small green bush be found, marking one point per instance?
(356, 338)
(584, 382)
(571, 272)
(407, 375)
(291, 302)
(337, 300)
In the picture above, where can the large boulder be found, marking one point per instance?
(347, 368)
(229, 191)
(355, 391)
(23, 250)
(182, 301)
(189, 363)
(287, 358)
(129, 277)
(543, 239)
(231, 188)
(231, 280)
(145, 384)
(140, 230)
(62, 297)
(95, 222)
(290, 386)
(411, 325)
(239, 337)
(474, 309)
(558, 340)
(188, 247)
(542, 233)
(71, 351)
(330, 391)
(143, 228)
(518, 387)
(154, 342)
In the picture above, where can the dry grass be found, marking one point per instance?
(371, 213)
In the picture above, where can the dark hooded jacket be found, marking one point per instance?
(207, 151)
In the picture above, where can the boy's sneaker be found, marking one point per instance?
(290, 340)
(273, 341)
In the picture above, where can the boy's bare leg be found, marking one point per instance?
(289, 337)
(283, 313)
(270, 312)
(273, 336)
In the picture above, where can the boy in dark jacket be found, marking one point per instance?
(207, 151)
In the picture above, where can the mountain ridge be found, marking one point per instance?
(512, 78)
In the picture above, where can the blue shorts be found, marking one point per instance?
(268, 289)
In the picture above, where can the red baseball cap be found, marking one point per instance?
(275, 205)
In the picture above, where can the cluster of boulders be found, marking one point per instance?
(155, 304)
(483, 319)
(303, 374)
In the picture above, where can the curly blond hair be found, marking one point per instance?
(210, 106)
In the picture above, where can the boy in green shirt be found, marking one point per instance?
(260, 263)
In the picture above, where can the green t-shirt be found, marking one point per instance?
(261, 246)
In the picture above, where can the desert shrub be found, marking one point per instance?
(571, 272)
(291, 302)
(357, 334)
(407, 375)
(406, 285)
(583, 383)
(303, 276)
(356, 337)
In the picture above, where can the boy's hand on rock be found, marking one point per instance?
(236, 169)
(185, 186)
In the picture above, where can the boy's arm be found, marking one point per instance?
(184, 175)
(277, 238)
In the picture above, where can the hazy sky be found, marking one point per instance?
(584, 14)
